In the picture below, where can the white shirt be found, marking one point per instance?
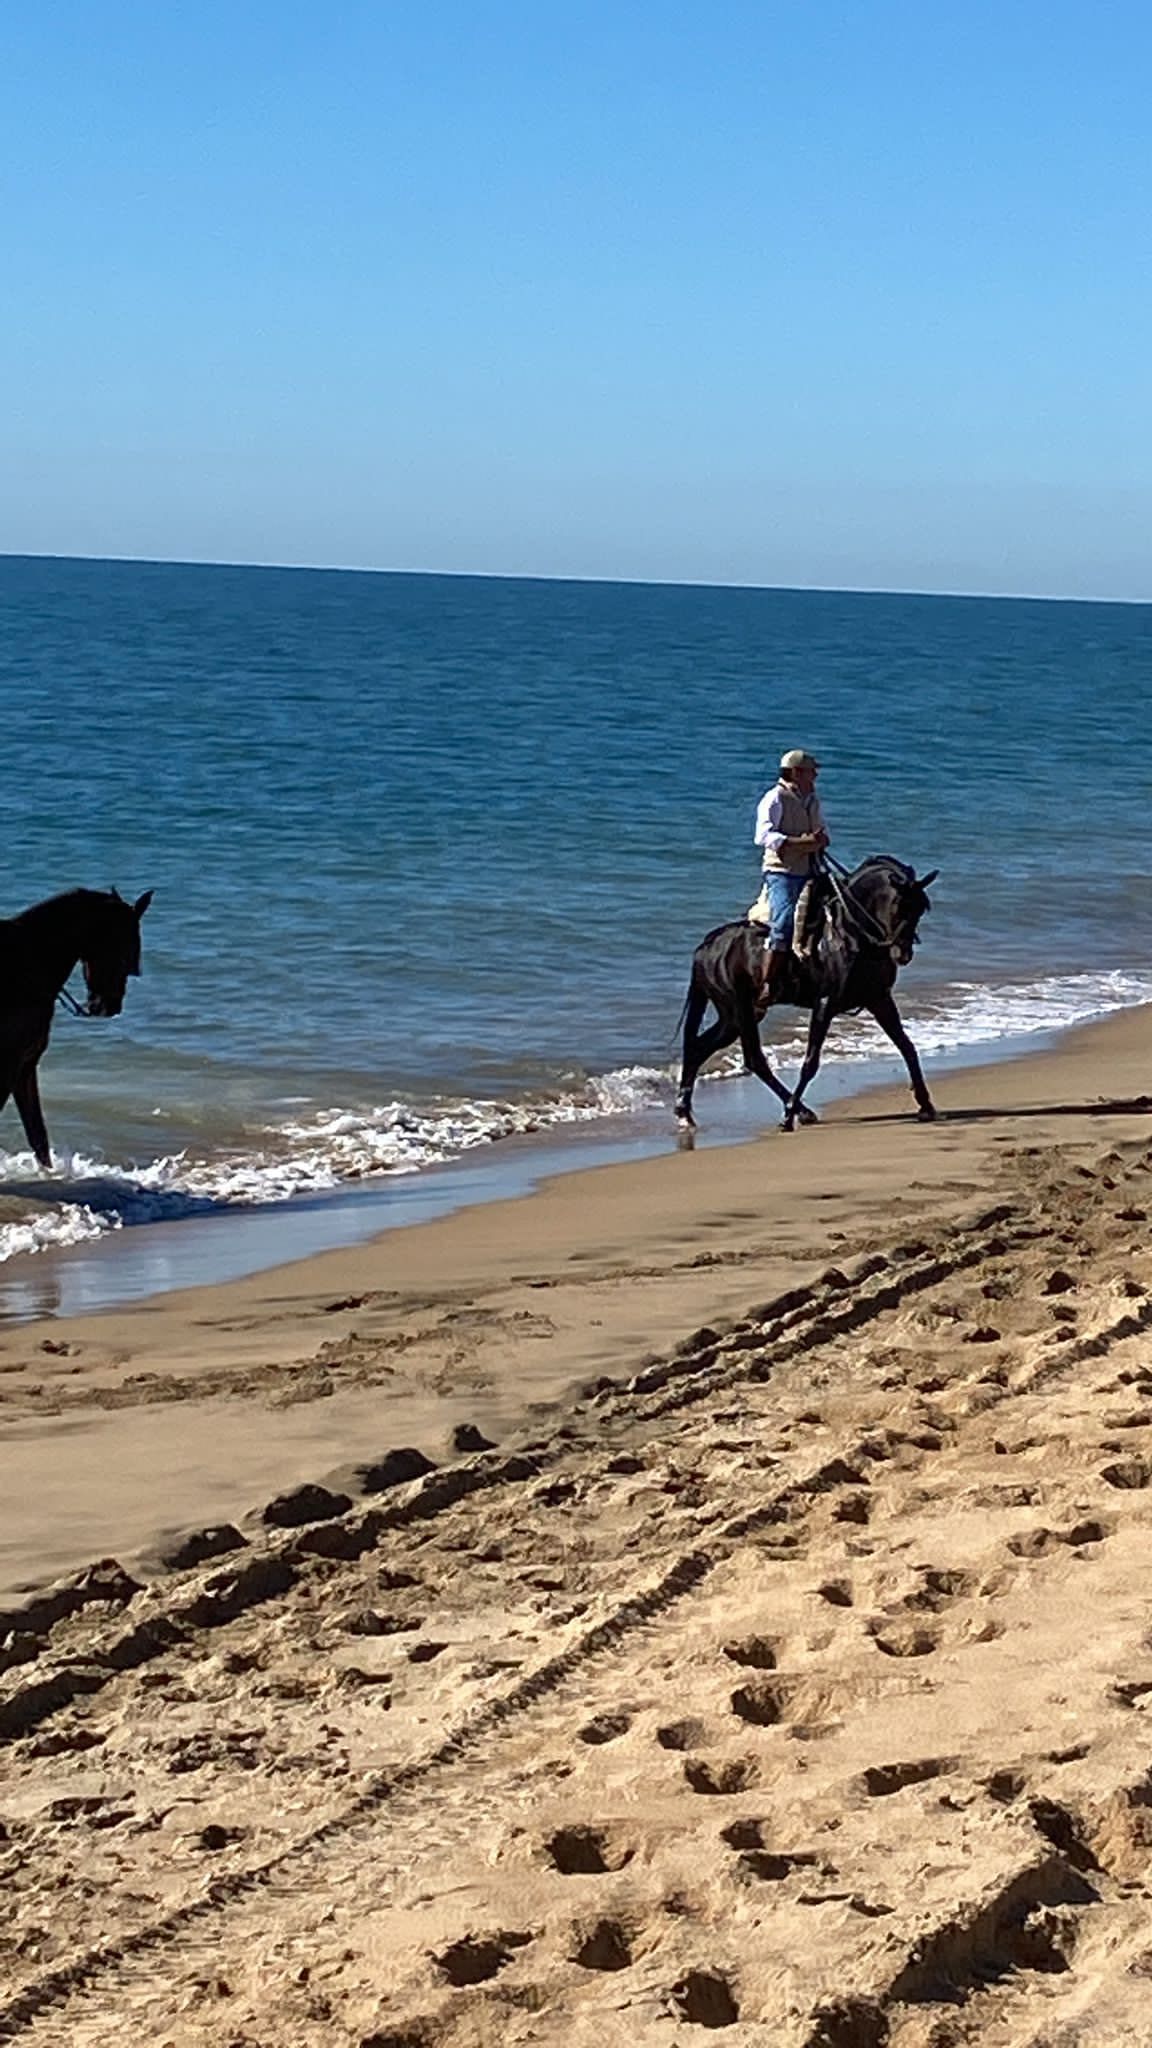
(783, 814)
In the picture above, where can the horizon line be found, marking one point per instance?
(529, 576)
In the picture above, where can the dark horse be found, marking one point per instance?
(38, 951)
(869, 930)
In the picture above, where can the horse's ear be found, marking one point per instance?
(142, 902)
(925, 880)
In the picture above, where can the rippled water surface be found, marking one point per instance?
(430, 854)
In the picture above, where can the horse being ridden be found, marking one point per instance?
(38, 951)
(869, 930)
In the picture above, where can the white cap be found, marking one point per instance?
(796, 757)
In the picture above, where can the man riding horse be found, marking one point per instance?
(791, 831)
(836, 941)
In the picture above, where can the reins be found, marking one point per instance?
(858, 918)
(68, 1002)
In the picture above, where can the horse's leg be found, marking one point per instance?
(887, 1016)
(704, 1044)
(817, 1032)
(26, 1095)
(754, 1059)
(695, 1004)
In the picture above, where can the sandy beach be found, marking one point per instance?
(704, 1594)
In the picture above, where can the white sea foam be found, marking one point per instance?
(83, 1198)
(964, 1014)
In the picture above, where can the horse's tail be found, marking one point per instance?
(692, 998)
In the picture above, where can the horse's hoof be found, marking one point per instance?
(685, 1119)
(787, 1123)
(686, 1138)
(807, 1116)
(927, 1113)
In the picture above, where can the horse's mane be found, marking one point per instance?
(885, 860)
(68, 899)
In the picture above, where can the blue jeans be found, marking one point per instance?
(783, 896)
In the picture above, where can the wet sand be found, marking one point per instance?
(778, 1666)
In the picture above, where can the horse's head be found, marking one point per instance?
(110, 950)
(912, 901)
(896, 898)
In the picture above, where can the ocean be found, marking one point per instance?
(431, 853)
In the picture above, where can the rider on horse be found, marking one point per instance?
(790, 830)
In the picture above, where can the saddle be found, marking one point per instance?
(809, 922)
(809, 919)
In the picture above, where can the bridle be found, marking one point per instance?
(859, 920)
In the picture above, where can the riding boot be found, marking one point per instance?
(775, 974)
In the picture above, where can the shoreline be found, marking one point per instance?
(192, 1407)
(236, 1241)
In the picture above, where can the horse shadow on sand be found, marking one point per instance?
(1120, 1105)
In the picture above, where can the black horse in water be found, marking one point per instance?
(869, 928)
(38, 950)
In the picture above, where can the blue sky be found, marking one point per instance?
(837, 293)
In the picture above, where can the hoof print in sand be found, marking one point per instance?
(1058, 1282)
(762, 1702)
(705, 1999)
(467, 1438)
(906, 1639)
(769, 1866)
(587, 1851)
(216, 1837)
(369, 1621)
(605, 1946)
(881, 1780)
(604, 1728)
(938, 1588)
(747, 1833)
(1042, 1542)
(855, 1507)
(1005, 1786)
(199, 1545)
(1128, 1474)
(722, 1780)
(849, 2023)
(303, 1504)
(417, 2034)
(395, 1468)
(757, 1652)
(477, 1958)
(682, 1735)
(1065, 1831)
(837, 1592)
